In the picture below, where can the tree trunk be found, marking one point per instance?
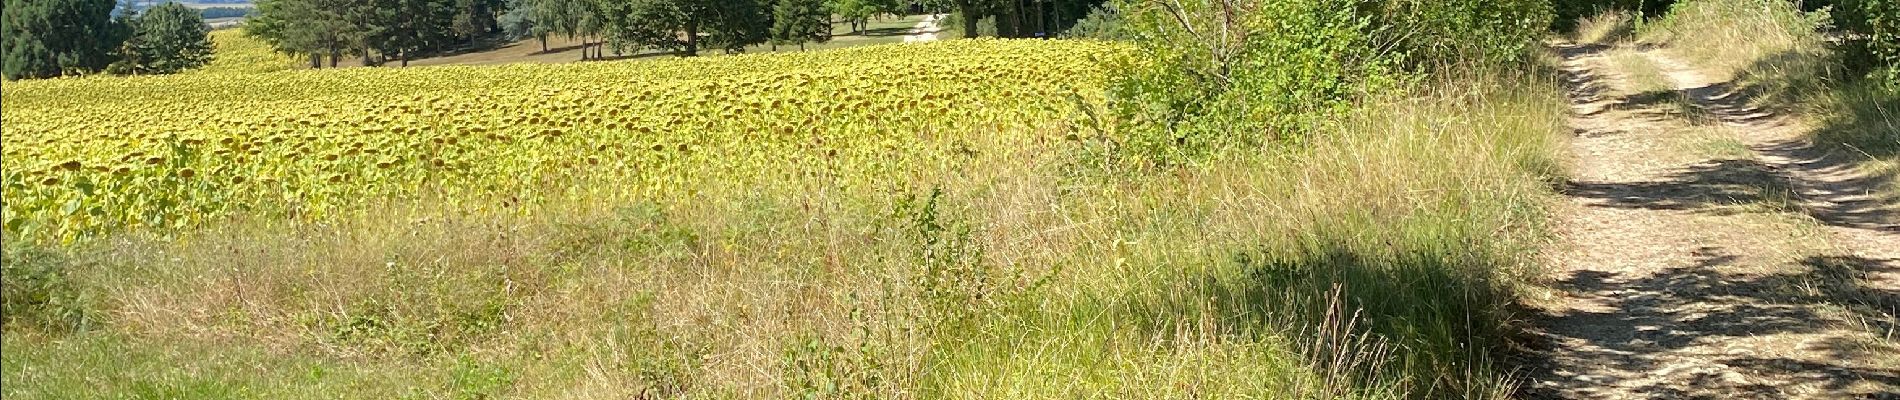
(692, 37)
(1016, 19)
(335, 53)
(544, 42)
(1005, 26)
(1041, 19)
(316, 61)
(970, 17)
(404, 55)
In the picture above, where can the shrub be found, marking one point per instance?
(166, 39)
(1570, 12)
(1240, 73)
(1605, 28)
(1223, 73)
(38, 290)
(1437, 32)
(1103, 22)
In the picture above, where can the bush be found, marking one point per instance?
(1605, 28)
(1570, 12)
(1241, 73)
(1103, 22)
(1878, 23)
(1215, 78)
(38, 290)
(165, 39)
(1436, 32)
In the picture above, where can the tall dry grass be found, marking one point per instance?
(1377, 261)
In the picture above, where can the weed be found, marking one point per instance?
(39, 290)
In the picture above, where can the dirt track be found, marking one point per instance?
(1763, 272)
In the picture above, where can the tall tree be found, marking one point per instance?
(519, 23)
(475, 18)
(578, 19)
(735, 24)
(801, 21)
(969, 12)
(167, 39)
(684, 26)
(310, 27)
(45, 38)
(417, 26)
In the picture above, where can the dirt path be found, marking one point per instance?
(925, 30)
(1709, 252)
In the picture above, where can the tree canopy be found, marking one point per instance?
(46, 38)
(167, 39)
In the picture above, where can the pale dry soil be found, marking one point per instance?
(1708, 251)
(926, 30)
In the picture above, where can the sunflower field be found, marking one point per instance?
(87, 157)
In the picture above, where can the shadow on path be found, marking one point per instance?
(1677, 310)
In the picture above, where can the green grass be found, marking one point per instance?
(1642, 73)
(109, 366)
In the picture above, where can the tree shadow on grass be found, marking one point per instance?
(1434, 319)
(881, 32)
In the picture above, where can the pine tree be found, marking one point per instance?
(46, 38)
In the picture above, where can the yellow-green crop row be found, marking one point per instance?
(233, 51)
(85, 157)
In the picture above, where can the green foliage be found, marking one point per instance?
(1227, 73)
(518, 22)
(1216, 78)
(800, 21)
(684, 26)
(1883, 30)
(476, 380)
(733, 25)
(815, 369)
(38, 291)
(1431, 33)
(166, 39)
(859, 12)
(47, 38)
(311, 27)
(1875, 43)
(1605, 28)
(1569, 12)
(955, 282)
(401, 28)
(1103, 22)
(224, 12)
